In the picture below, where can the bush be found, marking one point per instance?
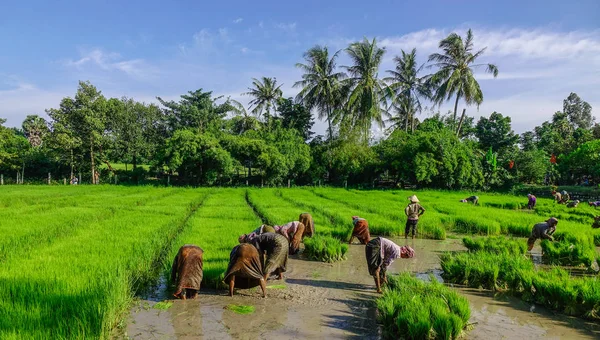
(412, 308)
(325, 248)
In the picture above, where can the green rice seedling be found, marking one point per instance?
(241, 309)
(555, 289)
(277, 286)
(163, 305)
(415, 309)
(325, 248)
(565, 253)
(496, 244)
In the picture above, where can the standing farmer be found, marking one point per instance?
(360, 231)
(380, 253)
(531, 202)
(413, 211)
(186, 271)
(543, 230)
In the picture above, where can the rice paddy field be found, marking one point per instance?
(73, 259)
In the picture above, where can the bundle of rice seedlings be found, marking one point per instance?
(414, 309)
(495, 244)
(325, 248)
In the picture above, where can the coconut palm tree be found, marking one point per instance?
(265, 93)
(406, 87)
(242, 121)
(367, 93)
(455, 74)
(320, 83)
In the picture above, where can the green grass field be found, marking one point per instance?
(72, 258)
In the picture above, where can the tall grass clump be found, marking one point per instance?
(495, 244)
(325, 248)
(411, 308)
(554, 289)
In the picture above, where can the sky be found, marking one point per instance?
(143, 49)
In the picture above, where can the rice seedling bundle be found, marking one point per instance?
(415, 309)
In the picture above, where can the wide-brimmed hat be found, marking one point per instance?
(413, 199)
(552, 220)
(528, 195)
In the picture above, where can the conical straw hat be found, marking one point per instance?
(413, 199)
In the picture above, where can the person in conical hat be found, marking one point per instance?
(413, 211)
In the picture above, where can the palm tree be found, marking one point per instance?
(405, 112)
(320, 83)
(406, 87)
(367, 91)
(242, 121)
(455, 74)
(35, 128)
(266, 94)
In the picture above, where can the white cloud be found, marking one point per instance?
(112, 61)
(286, 27)
(238, 20)
(25, 99)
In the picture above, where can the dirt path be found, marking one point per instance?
(335, 301)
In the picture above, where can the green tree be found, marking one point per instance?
(407, 88)
(531, 166)
(579, 112)
(321, 86)
(367, 94)
(197, 157)
(495, 132)
(242, 121)
(295, 116)
(584, 161)
(454, 76)
(265, 95)
(82, 121)
(528, 141)
(196, 110)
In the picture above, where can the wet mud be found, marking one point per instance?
(336, 301)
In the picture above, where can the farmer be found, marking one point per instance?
(557, 197)
(532, 200)
(413, 211)
(186, 271)
(565, 197)
(543, 230)
(258, 231)
(274, 249)
(474, 199)
(573, 204)
(596, 223)
(309, 224)
(380, 253)
(360, 231)
(245, 269)
(595, 204)
(293, 232)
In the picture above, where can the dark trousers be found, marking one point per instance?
(411, 225)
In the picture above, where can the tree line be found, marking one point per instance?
(202, 139)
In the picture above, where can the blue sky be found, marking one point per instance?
(144, 49)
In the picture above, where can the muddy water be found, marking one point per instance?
(335, 301)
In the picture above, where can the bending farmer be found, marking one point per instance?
(543, 230)
(360, 231)
(413, 211)
(245, 269)
(186, 271)
(274, 249)
(380, 253)
(532, 200)
(473, 199)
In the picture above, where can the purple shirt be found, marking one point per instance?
(389, 251)
(532, 199)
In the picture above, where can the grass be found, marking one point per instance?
(241, 309)
(411, 308)
(277, 286)
(73, 257)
